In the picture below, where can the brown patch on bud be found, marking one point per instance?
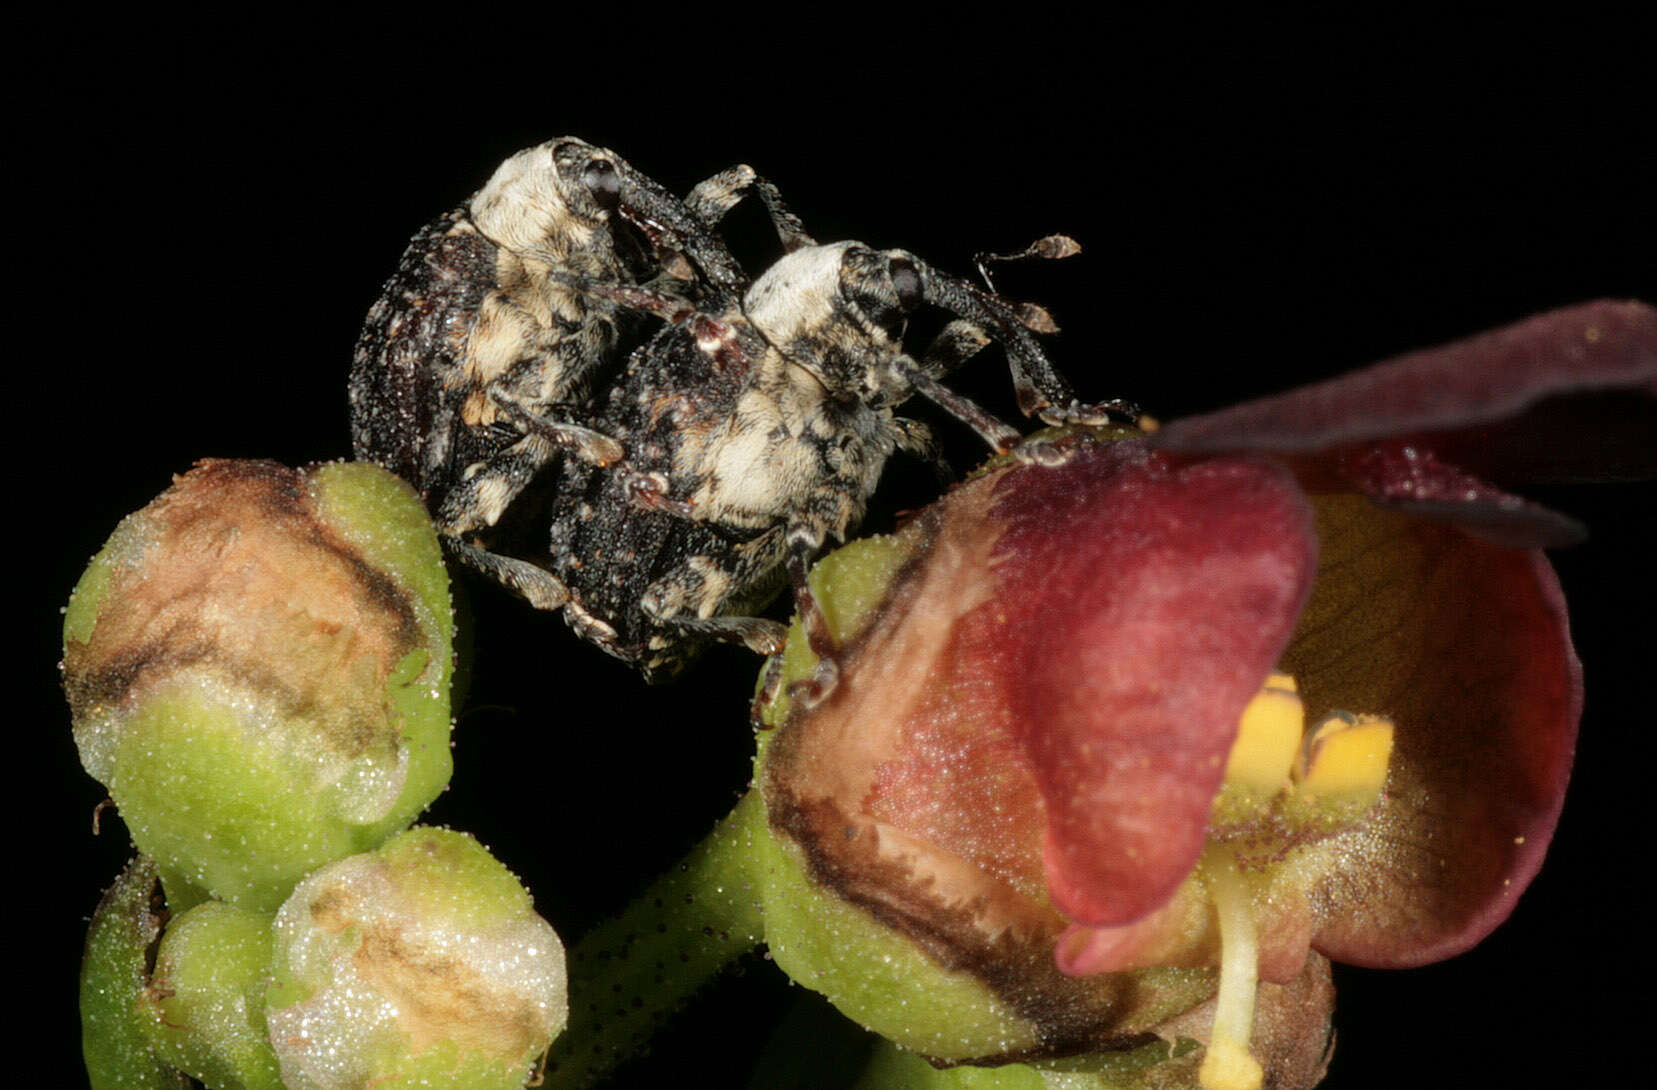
(442, 996)
(438, 993)
(231, 571)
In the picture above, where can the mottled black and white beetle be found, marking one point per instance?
(755, 432)
(474, 368)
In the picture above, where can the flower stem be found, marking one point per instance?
(1229, 1065)
(630, 973)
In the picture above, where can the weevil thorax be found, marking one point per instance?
(833, 310)
(536, 205)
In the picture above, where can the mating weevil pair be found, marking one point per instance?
(740, 439)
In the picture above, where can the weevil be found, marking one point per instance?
(756, 429)
(475, 366)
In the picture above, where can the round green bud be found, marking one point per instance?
(422, 964)
(207, 998)
(115, 1002)
(258, 666)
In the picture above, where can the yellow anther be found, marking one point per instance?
(1345, 759)
(1268, 735)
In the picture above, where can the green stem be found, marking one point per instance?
(631, 973)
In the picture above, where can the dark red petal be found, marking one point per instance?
(1566, 395)
(1464, 645)
(1414, 480)
(1140, 607)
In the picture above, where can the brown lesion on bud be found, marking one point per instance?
(438, 994)
(442, 997)
(230, 573)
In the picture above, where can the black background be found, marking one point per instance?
(208, 211)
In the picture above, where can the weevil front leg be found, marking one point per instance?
(488, 487)
(712, 198)
(687, 600)
(803, 547)
(539, 587)
(592, 447)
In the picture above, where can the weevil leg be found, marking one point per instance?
(669, 308)
(758, 634)
(1042, 391)
(954, 345)
(594, 448)
(713, 197)
(803, 547)
(790, 230)
(915, 439)
(999, 436)
(541, 588)
(769, 686)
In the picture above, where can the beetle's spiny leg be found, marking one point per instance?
(789, 227)
(592, 447)
(954, 345)
(758, 634)
(713, 197)
(1116, 410)
(769, 686)
(541, 588)
(916, 439)
(802, 547)
(999, 436)
(1036, 382)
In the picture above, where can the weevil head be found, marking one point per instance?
(550, 199)
(839, 312)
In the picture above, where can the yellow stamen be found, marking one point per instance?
(1268, 734)
(1228, 1064)
(1345, 760)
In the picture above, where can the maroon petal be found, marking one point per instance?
(1566, 395)
(1140, 607)
(1464, 645)
(1415, 480)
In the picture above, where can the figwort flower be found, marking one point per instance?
(1123, 710)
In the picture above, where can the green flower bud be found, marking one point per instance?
(421, 964)
(258, 666)
(115, 1009)
(207, 997)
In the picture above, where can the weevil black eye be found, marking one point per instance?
(906, 283)
(602, 178)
